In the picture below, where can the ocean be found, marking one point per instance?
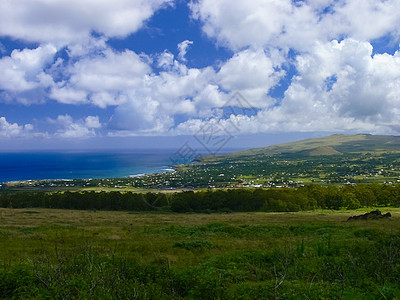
(31, 166)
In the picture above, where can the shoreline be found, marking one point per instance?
(16, 182)
(24, 167)
(164, 170)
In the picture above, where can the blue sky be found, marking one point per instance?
(156, 73)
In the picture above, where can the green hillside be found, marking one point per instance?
(331, 145)
(336, 159)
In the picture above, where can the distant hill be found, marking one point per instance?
(331, 145)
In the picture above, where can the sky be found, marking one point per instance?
(153, 73)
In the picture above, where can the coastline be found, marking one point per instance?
(25, 167)
(85, 179)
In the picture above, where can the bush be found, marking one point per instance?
(190, 245)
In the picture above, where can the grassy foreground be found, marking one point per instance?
(67, 254)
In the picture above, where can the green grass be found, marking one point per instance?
(304, 255)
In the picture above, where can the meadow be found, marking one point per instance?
(88, 254)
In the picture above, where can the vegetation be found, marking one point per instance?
(62, 254)
(73, 240)
(239, 200)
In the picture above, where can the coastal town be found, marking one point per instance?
(266, 172)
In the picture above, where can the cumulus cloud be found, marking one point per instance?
(183, 48)
(252, 73)
(67, 22)
(338, 83)
(64, 126)
(23, 69)
(68, 95)
(340, 86)
(151, 106)
(101, 79)
(239, 23)
(13, 129)
(365, 86)
(194, 93)
(295, 24)
(31, 75)
(165, 60)
(363, 19)
(67, 127)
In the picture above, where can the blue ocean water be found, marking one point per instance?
(26, 166)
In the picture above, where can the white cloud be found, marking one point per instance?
(238, 24)
(363, 19)
(85, 47)
(340, 87)
(68, 95)
(253, 74)
(293, 24)
(195, 93)
(366, 87)
(64, 22)
(109, 71)
(183, 48)
(67, 127)
(102, 79)
(23, 69)
(151, 106)
(92, 122)
(64, 126)
(10, 130)
(140, 116)
(97, 74)
(165, 60)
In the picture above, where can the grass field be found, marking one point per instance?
(98, 254)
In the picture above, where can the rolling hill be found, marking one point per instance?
(336, 159)
(331, 145)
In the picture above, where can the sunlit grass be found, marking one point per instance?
(25, 233)
(223, 253)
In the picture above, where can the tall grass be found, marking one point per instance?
(60, 254)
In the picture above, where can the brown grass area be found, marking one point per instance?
(114, 219)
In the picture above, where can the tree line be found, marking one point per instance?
(237, 200)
